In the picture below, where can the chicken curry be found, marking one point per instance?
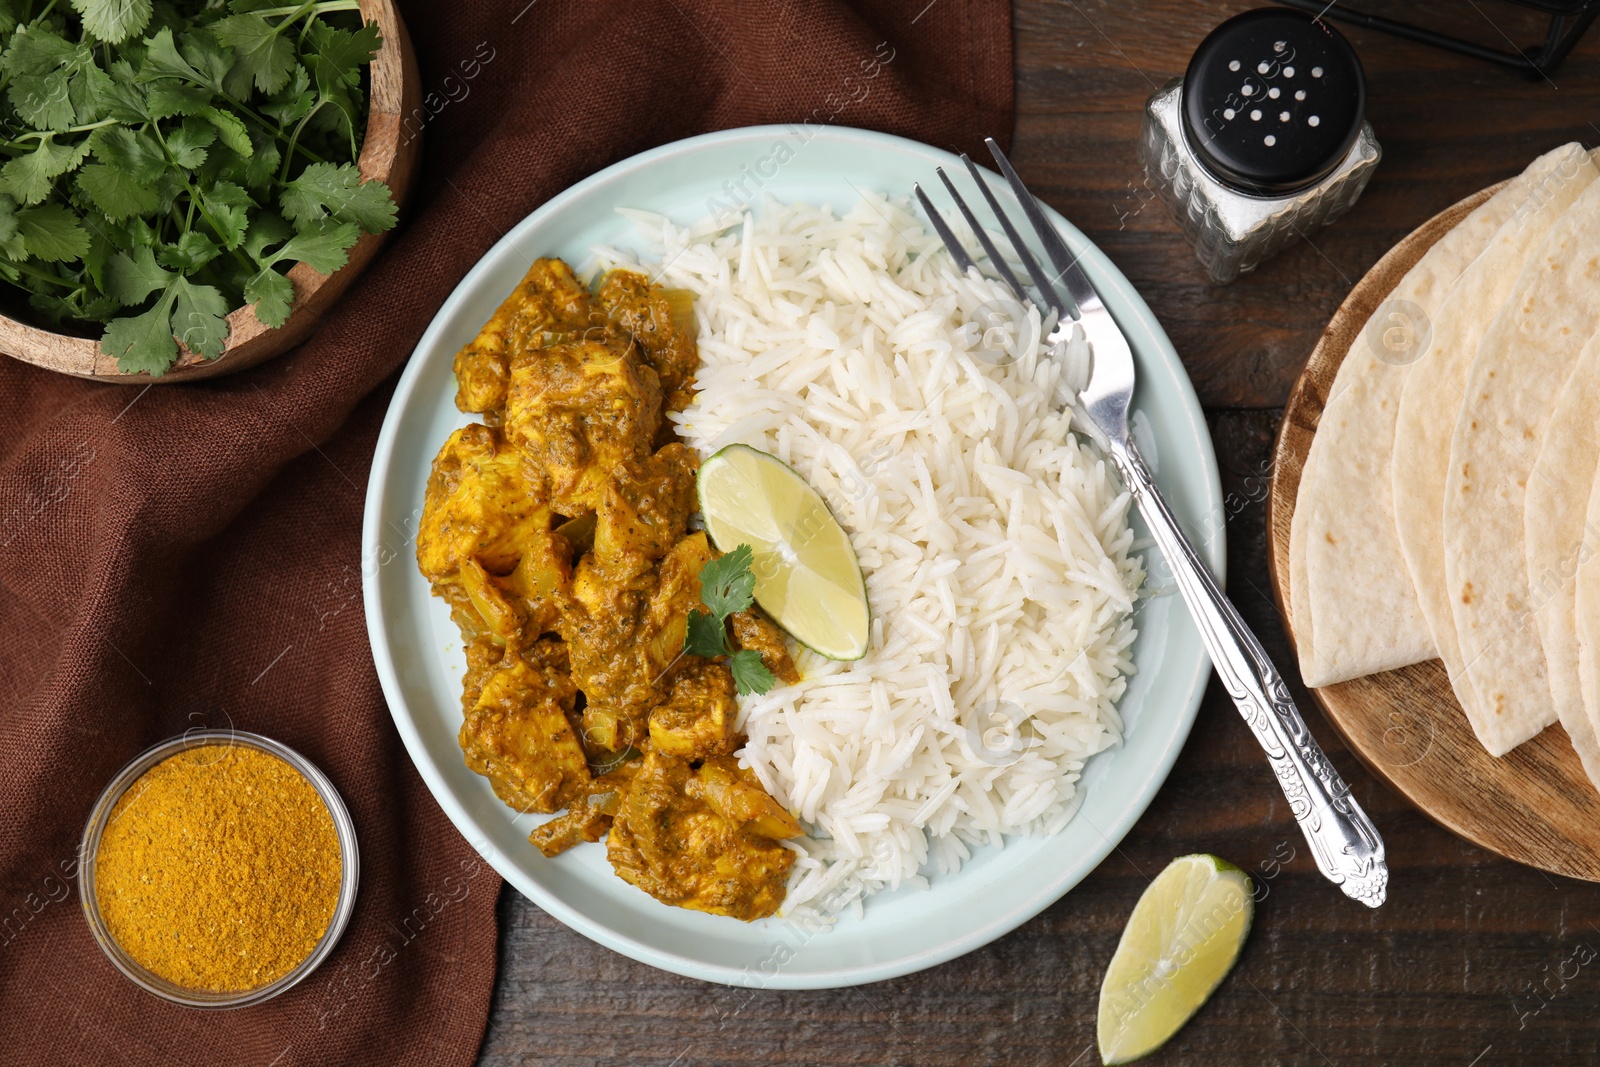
(557, 529)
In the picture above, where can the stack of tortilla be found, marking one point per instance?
(1448, 507)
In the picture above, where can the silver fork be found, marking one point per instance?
(1343, 840)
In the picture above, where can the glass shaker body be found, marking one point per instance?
(1262, 141)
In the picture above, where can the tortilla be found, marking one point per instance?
(1354, 607)
(1555, 511)
(1431, 397)
(1528, 352)
(1586, 607)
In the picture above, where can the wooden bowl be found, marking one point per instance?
(389, 154)
(1533, 805)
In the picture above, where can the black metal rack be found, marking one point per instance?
(1569, 19)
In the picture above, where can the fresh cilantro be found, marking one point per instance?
(117, 192)
(324, 190)
(324, 249)
(750, 675)
(113, 20)
(262, 55)
(707, 635)
(727, 586)
(52, 233)
(726, 583)
(30, 178)
(162, 165)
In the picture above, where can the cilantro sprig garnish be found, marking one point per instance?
(727, 586)
(166, 163)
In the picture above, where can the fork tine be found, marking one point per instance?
(1041, 281)
(1065, 262)
(995, 257)
(963, 261)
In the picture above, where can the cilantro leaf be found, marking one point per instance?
(143, 342)
(115, 192)
(706, 635)
(200, 317)
(163, 60)
(256, 170)
(166, 99)
(750, 674)
(209, 56)
(228, 207)
(40, 65)
(11, 243)
(325, 248)
(131, 278)
(113, 20)
(322, 248)
(189, 253)
(230, 129)
(726, 584)
(294, 102)
(134, 152)
(52, 232)
(272, 294)
(261, 54)
(324, 189)
(195, 314)
(123, 98)
(188, 143)
(341, 53)
(267, 229)
(31, 178)
(337, 56)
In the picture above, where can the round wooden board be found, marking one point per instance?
(1535, 805)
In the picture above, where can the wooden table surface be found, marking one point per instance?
(1474, 960)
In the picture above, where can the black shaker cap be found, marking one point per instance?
(1272, 101)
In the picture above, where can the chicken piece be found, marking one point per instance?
(646, 504)
(756, 633)
(483, 657)
(478, 506)
(697, 719)
(518, 734)
(590, 816)
(610, 663)
(671, 842)
(579, 411)
(677, 592)
(549, 297)
(736, 795)
(662, 321)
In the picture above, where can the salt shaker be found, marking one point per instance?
(1262, 140)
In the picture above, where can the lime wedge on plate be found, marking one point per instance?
(807, 577)
(1180, 943)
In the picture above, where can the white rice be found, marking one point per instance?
(995, 543)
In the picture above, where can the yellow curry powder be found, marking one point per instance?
(219, 869)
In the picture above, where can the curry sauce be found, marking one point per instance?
(557, 529)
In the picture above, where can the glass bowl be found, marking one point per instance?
(89, 852)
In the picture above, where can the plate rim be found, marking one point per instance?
(1105, 274)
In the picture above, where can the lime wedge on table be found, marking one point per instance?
(807, 577)
(1180, 943)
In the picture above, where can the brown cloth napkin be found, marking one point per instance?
(188, 555)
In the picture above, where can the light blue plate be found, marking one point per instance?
(419, 657)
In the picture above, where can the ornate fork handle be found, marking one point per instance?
(1343, 840)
